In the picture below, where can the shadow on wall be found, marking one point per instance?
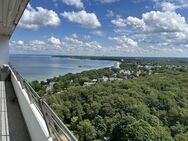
(4, 50)
(4, 72)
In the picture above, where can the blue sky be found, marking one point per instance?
(103, 27)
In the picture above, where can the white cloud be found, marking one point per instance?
(168, 52)
(98, 33)
(54, 41)
(179, 38)
(76, 3)
(34, 46)
(164, 29)
(74, 35)
(166, 26)
(75, 43)
(135, 22)
(94, 45)
(167, 6)
(108, 1)
(34, 18)
(170, 5)
(36, 42)
(69, 45)
(20, 42)
(124, 42)
(158, 22)
(119, 22)
(72, 41)
(110, 13)
(156, 33)
(88, 20)
(87, 37)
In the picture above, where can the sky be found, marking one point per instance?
(129, 28)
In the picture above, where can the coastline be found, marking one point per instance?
(119, 58)
(71, 73)
(42, 68)
(32, 68)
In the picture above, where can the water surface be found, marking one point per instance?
(35, 67)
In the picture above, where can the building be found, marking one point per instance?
(138, 73)
(86, 84)
(104, 78)
(117, 65)
(125, 72)
(50, 87)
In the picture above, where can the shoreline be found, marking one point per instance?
(53, 66)
(117, 58)
(68, 73)
(46, 67)
(89, 69)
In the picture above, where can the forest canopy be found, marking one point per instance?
(152, 108)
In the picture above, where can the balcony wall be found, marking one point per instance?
(4, 49)
(35, 123)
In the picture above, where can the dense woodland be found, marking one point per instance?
(149, 108)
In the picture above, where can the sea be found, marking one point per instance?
(42, 67)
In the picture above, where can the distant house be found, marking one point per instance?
(117, 65)
(86, 84)
(138, 73)
(94, 80)
(149, 67)
(139, 66)
(50, 87)
(104, 78)
(125, 72)
(114, 75)
(114, 78)
(150, 72)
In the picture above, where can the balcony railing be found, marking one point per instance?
(57, 129)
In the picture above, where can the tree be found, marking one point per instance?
(86, 131)
(83, 79)
(36, 85)
(131, 129)
(149, 108)
(100, 126)
(182, 137)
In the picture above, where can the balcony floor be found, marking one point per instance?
(12, 124)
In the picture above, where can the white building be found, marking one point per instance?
(104, 78)
(117, 65)
(138, 73)
(88, 84)
(125, 72)
(50, 87)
